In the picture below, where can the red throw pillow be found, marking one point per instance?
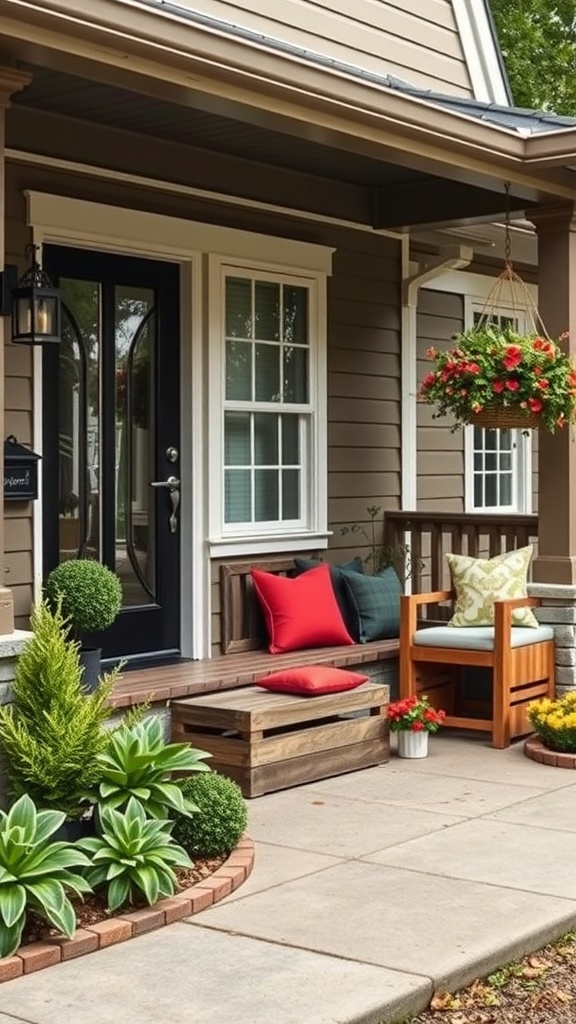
(300, 612)
(312, 680)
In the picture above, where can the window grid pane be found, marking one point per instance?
(493, 468)
(267, 362)
(263, 467)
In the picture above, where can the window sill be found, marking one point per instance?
(232, 546)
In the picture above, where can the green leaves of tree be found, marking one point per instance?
(538, 42)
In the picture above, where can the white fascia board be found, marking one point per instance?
(481, 52)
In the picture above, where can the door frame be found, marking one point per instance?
(59, 220)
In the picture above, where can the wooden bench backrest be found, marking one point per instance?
(242, 621)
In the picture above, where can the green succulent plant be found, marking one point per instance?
(138, 763)
(220, 820)
(133, 854)
(35, 872)
(89, 592)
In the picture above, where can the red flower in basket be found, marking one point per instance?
(415, 714)
(494, 368)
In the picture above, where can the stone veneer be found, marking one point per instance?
(11, 645)
(558, 609)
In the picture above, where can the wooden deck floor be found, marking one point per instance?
(187, 678)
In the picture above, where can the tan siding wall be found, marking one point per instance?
(364, 395)
(440, 481)
(363, 356)
(18, 405)
(417, 40)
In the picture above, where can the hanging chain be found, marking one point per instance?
(509, 291)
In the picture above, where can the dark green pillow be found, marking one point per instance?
(347, 610)
(376, 604)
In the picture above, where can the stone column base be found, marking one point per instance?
(558, 609)
(6, 611)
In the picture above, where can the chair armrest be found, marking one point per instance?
(518, 602)
(503, 617)
(409, 604)
(431, 598)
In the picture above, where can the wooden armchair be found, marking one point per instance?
(521, 659)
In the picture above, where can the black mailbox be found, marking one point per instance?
(20, 471)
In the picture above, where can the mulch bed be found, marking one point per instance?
(92, 909)
(539, 989)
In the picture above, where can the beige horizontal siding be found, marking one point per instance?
(18, 402)
(440, 466)
(416, 40)
(364, 390)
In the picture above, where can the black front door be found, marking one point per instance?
(111, 454)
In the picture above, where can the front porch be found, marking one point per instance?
(351, 208)
(355, 878)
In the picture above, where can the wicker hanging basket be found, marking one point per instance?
(505, 417)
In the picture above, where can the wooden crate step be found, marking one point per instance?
(268, 741)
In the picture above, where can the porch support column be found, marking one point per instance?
(11, 81)
(556, 561)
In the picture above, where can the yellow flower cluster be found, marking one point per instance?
(555, 721)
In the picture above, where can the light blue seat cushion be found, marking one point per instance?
(478, 638)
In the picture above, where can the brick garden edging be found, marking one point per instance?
(535, 749)
(228, 877)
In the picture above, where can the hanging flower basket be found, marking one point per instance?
(494, 377)
(504, 417)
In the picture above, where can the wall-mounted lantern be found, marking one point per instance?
(33, 303)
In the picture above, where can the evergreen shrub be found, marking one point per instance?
(221, 818)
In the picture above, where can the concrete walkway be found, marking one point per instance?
(369, 892)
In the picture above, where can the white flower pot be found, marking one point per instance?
(412, 744)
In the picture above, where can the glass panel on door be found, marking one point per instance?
(79, 420)
(135, 353)
(114, 457)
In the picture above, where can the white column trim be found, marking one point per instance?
(481, 52)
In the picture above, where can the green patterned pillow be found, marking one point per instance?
(479, 582)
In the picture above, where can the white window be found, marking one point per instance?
(273, 410)
(498, 462)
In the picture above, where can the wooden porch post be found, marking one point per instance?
(556, 561)
(11, 81)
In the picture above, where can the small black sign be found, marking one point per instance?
(20, 471)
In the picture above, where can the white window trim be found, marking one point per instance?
(62, 220)
(522, 457)
(226, 541)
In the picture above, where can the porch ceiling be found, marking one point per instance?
(399, 196)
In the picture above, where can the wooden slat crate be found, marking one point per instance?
(269, 741)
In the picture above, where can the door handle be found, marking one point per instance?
(172, 485)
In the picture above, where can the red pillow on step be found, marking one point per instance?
(300, 612)
(312, 680)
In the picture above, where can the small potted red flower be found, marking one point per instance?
(495, 377)
(413, 719)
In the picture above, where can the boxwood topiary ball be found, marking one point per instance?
(220, 820)
(91, 594)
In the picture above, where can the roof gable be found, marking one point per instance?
(444, 45)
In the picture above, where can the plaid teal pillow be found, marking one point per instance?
(376, 602)
(355, 565)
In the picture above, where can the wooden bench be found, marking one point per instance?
(242, 658)
(269, 741)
